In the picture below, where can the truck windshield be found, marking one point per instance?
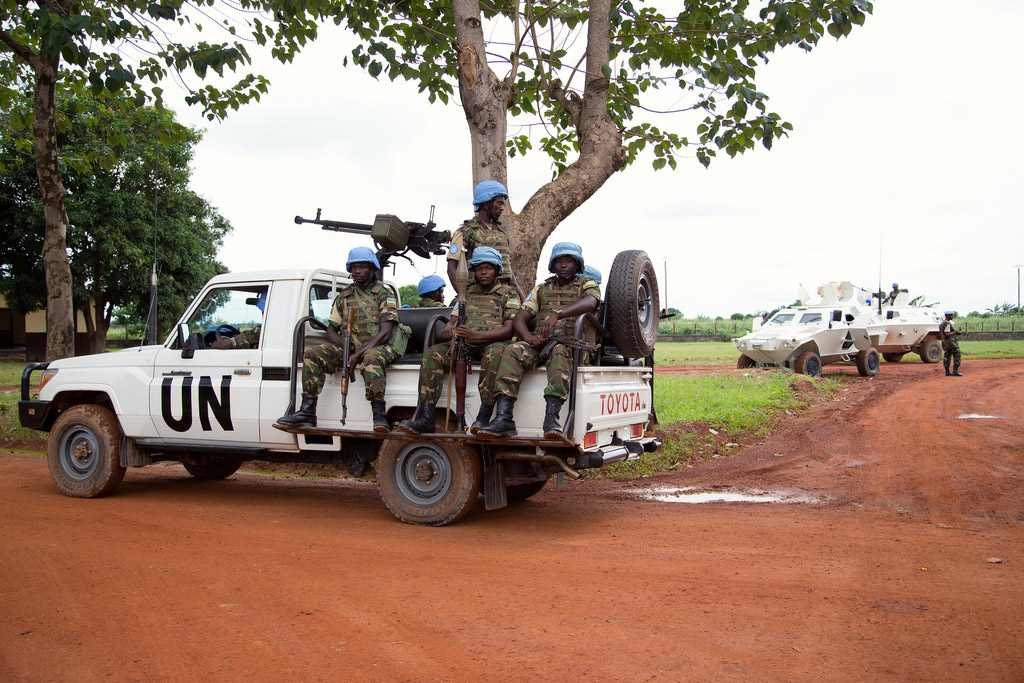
(808, 318)
(782, 318)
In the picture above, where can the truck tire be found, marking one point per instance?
(631, 303)
(893, 357)
(745, 361)
(931, 351)
(808, 363)
(213, 468)
(523, 491)
(84, 453)
(868, 362)
(429, 483)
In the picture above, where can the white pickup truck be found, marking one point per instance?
(214, 409)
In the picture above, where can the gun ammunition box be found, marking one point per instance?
(390, 232)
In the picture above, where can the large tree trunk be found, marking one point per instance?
(487, 99)
(60, 320)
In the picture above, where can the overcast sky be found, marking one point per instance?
(904, 165)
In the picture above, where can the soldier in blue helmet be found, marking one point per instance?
(556, 303)
(891, 299)
(489, 201)
(376, 313)
(431, 291)
(950, 346)
(593, 273)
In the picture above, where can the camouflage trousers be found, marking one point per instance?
(437, 360)
(950, 351)
(325, 359)
(521, 357)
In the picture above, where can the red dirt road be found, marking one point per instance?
(262, 578)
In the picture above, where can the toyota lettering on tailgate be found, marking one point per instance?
(623, 402)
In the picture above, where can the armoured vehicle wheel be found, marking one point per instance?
(745, 361)
(808, 363)
(868, 362)
(218, 468)
(893, 357)
(430, 483)
(84, 452)
(632, 304)
(524, 491)
(931, 351)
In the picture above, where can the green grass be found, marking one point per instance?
(1008, 348)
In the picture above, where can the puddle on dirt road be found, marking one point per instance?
(975, 416)
(697, 495)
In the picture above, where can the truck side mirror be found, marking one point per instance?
(183, 341)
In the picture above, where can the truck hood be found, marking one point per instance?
(135, 356)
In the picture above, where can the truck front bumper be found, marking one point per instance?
(33, 414)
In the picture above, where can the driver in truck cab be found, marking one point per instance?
(376, 313)
(246, 339)
(556, 303)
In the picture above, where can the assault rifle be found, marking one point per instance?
(549, 345)
(461, 356)
(392, 236)
(346, 353)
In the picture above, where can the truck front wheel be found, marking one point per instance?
(212, 469)
(931, 351)
(808, 363)
(84, 452)
(867, 362)
(429, 483)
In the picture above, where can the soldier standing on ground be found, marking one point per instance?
(489, 200)
(556, 302)
(490, 308)
(431, 292)
(950, 346)
(376, 313)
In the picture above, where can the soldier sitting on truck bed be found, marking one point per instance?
(431, 291)
(489, 199)
(556, 301)
(376, 313)
(490, 308)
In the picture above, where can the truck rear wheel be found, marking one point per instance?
(893, 357)
(632, 304)
(808, 363)
(83, 452)
(219, 468)
(868, 362)
(429, 483)
(931, 351)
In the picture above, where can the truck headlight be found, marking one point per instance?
(47, 376)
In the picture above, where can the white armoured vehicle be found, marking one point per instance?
(841, 326)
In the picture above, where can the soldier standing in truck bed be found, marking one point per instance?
(431, 292)
(556, 302)
(490, 308)
(489, 200)
(376, 312)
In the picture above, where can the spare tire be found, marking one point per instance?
(632, 304)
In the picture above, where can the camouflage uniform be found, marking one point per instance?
(427, 303)
(950, 346)
(247, 339)
(373, 306)
(474, 233)
(485, 312)
(521, 356)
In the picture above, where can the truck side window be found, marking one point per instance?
(231, 312)
(320, 299)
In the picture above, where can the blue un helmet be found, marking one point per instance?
(593, 273)
(486, 191)
(486, 255)
(567, 249)
(895, 285)
(261, 300)
(430, 283)
(361, 255)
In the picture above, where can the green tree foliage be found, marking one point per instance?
(110, 206)
(409, 294)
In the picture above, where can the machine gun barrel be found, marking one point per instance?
(336, 226)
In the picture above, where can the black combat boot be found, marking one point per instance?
(503, 424)
(552, 407)
(305, 416)
(956, 371)
(380, 420)
(946, 365)
(482, 418)
(422, 421)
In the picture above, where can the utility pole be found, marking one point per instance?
(1018, 267)
(665, 261)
